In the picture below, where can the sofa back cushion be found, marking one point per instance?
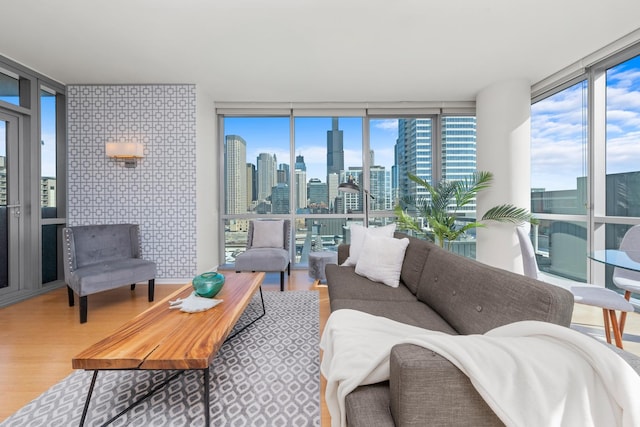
(475, 298)
(415, 259)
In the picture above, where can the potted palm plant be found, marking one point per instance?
(442, 210)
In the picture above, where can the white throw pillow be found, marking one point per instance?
(381, 259)
(358, 234)
(268, 234)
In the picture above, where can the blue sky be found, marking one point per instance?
(48, 105)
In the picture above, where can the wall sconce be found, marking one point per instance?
(127, 152)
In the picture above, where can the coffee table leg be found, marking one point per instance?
(205, 373)
(86, 402)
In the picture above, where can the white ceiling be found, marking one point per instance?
(311, 50)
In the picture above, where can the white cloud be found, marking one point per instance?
(386, 124)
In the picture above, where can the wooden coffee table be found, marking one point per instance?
(160, 338)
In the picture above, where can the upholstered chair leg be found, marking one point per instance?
(70, 295)
(289, 269)
(152, 283)
(281, 281)
(83, 309)
(133, 286)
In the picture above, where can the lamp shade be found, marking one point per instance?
(349, 187)
(125, 150)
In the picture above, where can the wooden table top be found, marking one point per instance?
(160, 338)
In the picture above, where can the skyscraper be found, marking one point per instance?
(267, 175)
(300, 165)
(283, 173)
(280, 199)
(413, 153)
(335, 148)
(317, 194)
(459, 149)
(235, 163)
(300, 176)
(251, 184)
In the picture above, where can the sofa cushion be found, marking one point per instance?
(358, 234)
(381, 259)
(415, 259)
(368, 406)
(343, 282)
(412, 313)
(474, 297)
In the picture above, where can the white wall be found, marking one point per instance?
(503, 112)
(207, 164)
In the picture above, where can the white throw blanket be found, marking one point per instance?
(530, 373)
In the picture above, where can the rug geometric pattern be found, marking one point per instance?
(268, 375)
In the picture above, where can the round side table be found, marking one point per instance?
(318, 261)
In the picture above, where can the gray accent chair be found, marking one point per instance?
(268, 248)
(103, 257)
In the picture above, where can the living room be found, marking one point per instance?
(203, 67)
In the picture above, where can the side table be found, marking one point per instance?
(318, 261)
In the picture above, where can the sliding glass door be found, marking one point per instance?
(9, 204)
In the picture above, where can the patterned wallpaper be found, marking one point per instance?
(160, 193)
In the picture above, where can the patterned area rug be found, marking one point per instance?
(268, 375)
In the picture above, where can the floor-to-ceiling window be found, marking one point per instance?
(558, 180)
(291, 166)
(585, 152)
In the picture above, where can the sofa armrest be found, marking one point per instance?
(426, 389)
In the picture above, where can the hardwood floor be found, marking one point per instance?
(39, 337)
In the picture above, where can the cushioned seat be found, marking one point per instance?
(268, 243)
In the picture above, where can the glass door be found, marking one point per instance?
(9, 204)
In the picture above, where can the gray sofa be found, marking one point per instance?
(102, 257)
(441, 291)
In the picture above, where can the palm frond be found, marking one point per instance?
(507, 213)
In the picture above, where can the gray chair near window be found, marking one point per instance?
(625, 279)
(268, 248)
(102, 257)
(596, 296)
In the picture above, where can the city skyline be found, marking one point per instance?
(412, 153)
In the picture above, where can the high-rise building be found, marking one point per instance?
(353, 201)
(300, 164)
(317, 194)
(333, 180)
(300, 176)
(251, 184)
(283, 173)
(413, 154)
(267, 175)
(335, 148)
(458, 147)
(47, 192)
(459, 150)
(235, 164)
(378, 183)
(280, 199)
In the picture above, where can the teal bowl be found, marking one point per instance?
(208, 284)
